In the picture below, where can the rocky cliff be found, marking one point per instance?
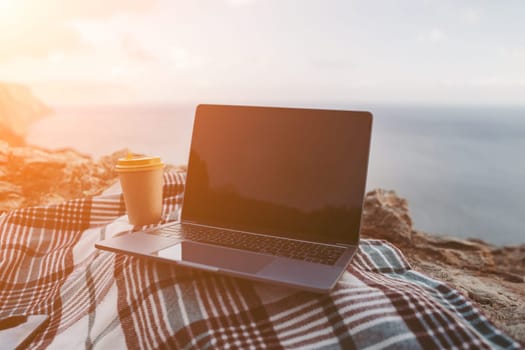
(492, 277)
(34, 176)
(18, 109)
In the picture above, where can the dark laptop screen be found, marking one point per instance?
(297, 173)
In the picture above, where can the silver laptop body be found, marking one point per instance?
(272, 194)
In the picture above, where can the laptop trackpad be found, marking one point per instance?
(219, 257)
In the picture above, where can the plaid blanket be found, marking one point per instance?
(96, 299)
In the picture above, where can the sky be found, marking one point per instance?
(73, 52)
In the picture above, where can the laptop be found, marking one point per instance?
(271, 194)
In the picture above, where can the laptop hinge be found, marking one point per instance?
(344, 245)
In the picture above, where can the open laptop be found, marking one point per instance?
(272, 194)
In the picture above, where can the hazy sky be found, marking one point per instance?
(143, 51)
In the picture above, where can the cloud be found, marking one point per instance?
(434, 35)
(471, 16)
(37, 27)
(517, 53)
(135, 50)
(37, 41)
(64, 10)
(79, 93)
(240, 3)
(137, 42)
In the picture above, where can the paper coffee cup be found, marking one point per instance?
(141, 181)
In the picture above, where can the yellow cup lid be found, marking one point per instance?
(138, 162)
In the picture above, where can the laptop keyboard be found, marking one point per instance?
(311, 252)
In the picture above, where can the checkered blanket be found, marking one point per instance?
(96, 299)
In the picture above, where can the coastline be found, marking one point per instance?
(491, 276)
(455, 165)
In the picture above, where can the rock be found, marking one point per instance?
(7, 189)
(10, 196)
(10, 137)
(386, 216)
(32, 175)
(507, 276)
(491, 276)
(481, 296)
(35, 176)
(18, 109)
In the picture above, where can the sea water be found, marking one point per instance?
(462, 169)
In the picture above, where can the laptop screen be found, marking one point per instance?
(296, 173)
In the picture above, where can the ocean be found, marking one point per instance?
(462, 169)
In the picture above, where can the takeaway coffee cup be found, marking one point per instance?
(141, 181)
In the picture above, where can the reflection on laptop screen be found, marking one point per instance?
(296, 173)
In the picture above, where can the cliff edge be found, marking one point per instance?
(18, 109)
(491, 276)
(34, 176)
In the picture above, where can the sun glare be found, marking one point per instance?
(5, 4)
(6, 9)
